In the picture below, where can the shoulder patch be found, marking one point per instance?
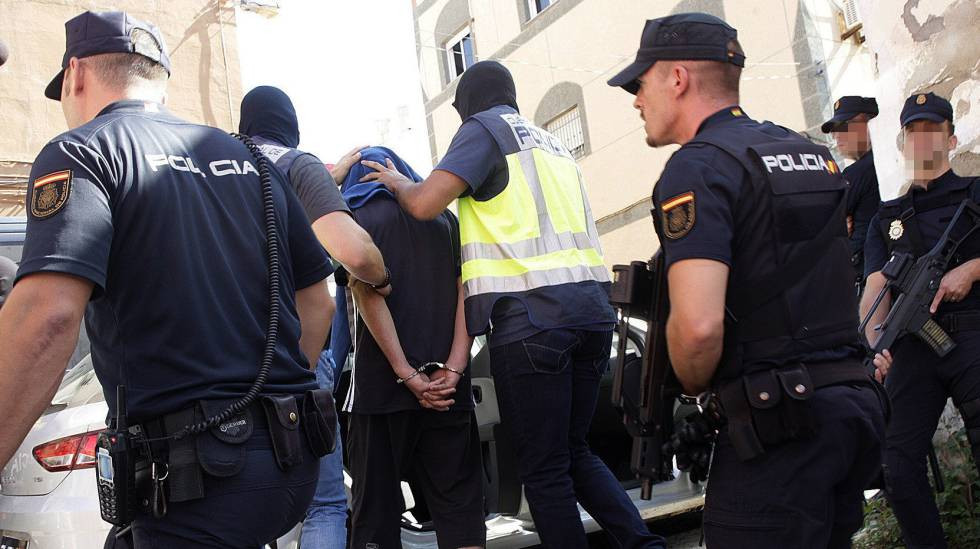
(50, 193)
(678, 215)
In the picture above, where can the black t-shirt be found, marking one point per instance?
(165, 217)
(424, 259)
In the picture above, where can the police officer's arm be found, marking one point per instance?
(875, 256)
(425, 200)
(696, 324)
(957, 283)
(315, 308)
(39, 326)
(351, 245)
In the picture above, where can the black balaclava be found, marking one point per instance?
(484, 85)
(267, 112)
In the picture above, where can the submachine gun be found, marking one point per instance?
(645, 388)
(914, 283)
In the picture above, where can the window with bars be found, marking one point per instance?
(459, 53)
(534, 7)
(567, 127)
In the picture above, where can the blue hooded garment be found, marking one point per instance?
(358, 194)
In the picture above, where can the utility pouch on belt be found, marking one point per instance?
(320, 421)
(768, 408)
(282, 411)
(221, 449)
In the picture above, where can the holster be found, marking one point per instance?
(771, 407)
(219, 452)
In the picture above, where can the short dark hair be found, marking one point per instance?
(121, 70)
(720, 79)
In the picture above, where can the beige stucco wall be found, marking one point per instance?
(590, 42)
(927, 45)
(205, 85)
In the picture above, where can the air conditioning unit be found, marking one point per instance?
(265, 8)
(849, 20)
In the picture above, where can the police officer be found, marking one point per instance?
(849, 126)
(750, 217)
(268, 116)
(156, 225)
(918, 382)
(535, 283)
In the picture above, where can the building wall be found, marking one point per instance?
(574, 46)
(205, 85)
(924, 45)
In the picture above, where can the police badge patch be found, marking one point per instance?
(896, 229)
(678, 215)
(50, 193)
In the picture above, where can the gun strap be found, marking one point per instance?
(755, 293)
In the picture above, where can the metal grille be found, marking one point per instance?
(567, 127)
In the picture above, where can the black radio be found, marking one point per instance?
(116, 455)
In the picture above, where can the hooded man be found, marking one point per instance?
(534, 281)
(269, 118)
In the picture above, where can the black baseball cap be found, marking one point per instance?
(92, 33)
(847, 107)
(926, 106)
(687, 36)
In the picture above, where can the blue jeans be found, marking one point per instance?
(547, 388)
(326, 519)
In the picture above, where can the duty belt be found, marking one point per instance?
(960, 322)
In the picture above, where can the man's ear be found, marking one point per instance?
(680, 79)
(74, 77)
(953, 142)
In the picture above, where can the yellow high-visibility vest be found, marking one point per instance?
(538, 232)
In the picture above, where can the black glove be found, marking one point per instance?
(694, 438)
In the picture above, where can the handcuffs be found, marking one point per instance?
(428, 367)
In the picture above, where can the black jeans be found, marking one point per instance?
(919, 383)
(805, 494)
(547, 387)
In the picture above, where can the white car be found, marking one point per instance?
(48, 497)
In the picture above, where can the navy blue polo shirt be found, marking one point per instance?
(863, 199)
(714, 178)
(165, 217)
(475, 157)
(931, 225)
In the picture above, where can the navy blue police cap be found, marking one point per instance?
(926, 106)
(93, 33)
(847, 107)
(683, 36)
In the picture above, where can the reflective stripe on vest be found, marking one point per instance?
(537, 232)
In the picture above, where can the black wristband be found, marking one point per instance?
(384, 283)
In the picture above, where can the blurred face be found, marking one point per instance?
(852, 137)
(656, 100)
(926, 147)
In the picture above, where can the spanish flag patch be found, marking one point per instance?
(49, 193)
(678, 215)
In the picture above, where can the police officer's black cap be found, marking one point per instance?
(93, 33)
(847, 107)
(683, 36)
(926, 106)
